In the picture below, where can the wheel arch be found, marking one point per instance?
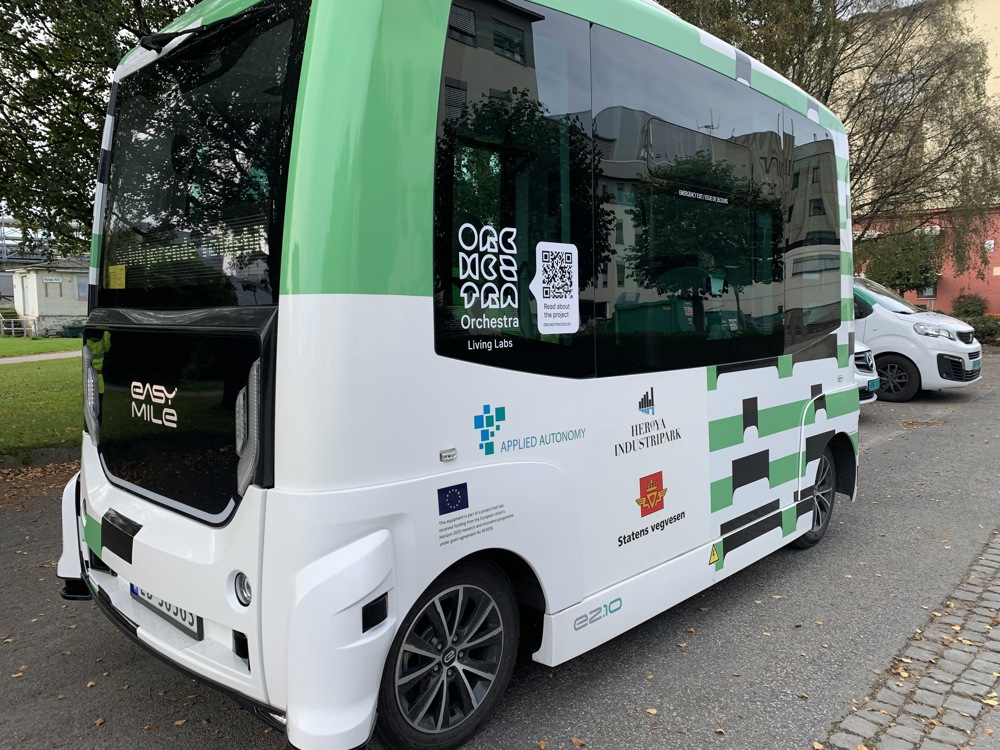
(527, 588)
(845, 463)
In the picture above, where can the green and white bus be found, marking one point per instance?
(425, 332)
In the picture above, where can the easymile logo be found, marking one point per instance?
(158, 409)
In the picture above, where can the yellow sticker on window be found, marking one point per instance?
(116, 277)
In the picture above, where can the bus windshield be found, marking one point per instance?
(198, 164)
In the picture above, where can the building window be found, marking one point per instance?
(815, 175)
(455, 94)
(620, 267)
(619, 233)
(462, 24)
(988, 246)
(928, 292)
(816, 207)
(508, 41)
(795, 181)
(81, 287)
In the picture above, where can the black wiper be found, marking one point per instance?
(156, 42)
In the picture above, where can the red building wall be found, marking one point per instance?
(950, 285)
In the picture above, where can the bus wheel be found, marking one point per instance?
(450, 661)
(824, 492)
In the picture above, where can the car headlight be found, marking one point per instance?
(936, 331)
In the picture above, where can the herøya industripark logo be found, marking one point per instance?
(487, 424)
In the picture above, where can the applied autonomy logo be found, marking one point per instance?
(488, 423)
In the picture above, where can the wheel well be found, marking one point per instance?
(527, 591)
(845, 463)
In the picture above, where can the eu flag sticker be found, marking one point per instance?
(453, 498)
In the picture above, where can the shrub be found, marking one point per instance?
(987, 328)
(969, 305)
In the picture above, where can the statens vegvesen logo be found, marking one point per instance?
(652, 492)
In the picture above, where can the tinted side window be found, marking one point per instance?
(514, 207)
(812, 236)
(703, 161)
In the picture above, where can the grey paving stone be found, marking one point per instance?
(970, 688)
(856, 725)
(905, 733)
(935, 745)
(918, 653)
(989, 656)
(951, 736)
(985, 611)
(919, 709)
(894, 743)
(875, 717)
(845, 741)
(984, 665)
(952, 655)
(958, 721)
(983, 678)
(883, 708)
(935, 686)
(969, 649)
(941, 676)
(892, 697)
(912, 722)
(977, 627)
(963, 705)
(928, 698)
(950, 620)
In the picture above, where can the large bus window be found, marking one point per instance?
(702, 221)
(514, 250)
(198, 168)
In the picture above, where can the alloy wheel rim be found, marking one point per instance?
(895, 378)
(823, 494)
(449, 659)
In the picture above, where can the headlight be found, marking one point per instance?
(936, 331)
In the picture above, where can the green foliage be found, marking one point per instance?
(42, 405)
(19, 347)
(969, 305)
(57, 57)
(987, 328)
(905, 261)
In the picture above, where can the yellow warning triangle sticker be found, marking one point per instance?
(714, 557)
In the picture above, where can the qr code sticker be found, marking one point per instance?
(557, 275)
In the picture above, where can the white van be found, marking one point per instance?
(914, 349)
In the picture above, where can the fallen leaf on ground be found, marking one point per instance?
(720, 730)
(577, 742)
(98, 722)
(651, 711)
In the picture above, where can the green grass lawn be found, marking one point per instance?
(11, 346)
(41, 404)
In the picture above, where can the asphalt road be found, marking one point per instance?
(771, 658)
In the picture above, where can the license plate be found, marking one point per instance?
(976, 364)
(873, 384)
(181, 618)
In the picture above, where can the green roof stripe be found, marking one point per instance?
(780, 90)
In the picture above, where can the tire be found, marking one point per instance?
(824, 493)
(450, 661)
(899, 378)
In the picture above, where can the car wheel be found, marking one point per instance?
(824, 492)
(898, 376)
(450, 661)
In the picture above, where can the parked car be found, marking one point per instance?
(864, 373)
(914, 349)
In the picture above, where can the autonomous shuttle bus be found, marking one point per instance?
(423, 333)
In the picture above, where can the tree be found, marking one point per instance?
(56, 58)
(904, 261)
(908, 79)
